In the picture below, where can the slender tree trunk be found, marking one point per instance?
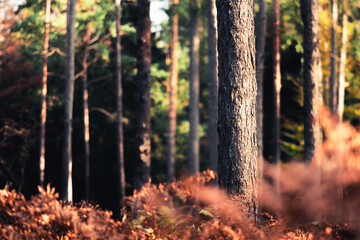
(342, 83)
(44, 93)
(119, 111)
(237, 166)
(66, 183)
(143, 97)
(312, 77)
(333, 58)
(194, 84)
(172, 110)
(86, 113)
(213, 83)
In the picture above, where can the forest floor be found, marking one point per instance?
(187, 209)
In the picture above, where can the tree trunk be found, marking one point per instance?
(119, 111)
(342, 83)
(312, 77)
(333, 58)
(172, 110)
(143, 97)
(44, 93)
(237, 165)
(194, 84)
(86, 113)
(213, 83)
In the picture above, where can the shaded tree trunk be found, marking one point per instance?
(213, 83)
(66, 183)
(44, 93)
(332, 100)
(237, 165)
(143, 97)
(194, 85)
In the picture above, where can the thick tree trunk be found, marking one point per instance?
(173, 88)
(342, 83)
(44, 93)
(333, 57)
(237, 165)
(194, 85)
(119, 111)
(312, 77)
(213, 83)
(143, 97)
(66, 183)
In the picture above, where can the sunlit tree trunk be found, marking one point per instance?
(119, 107)
(44, 92)
(333, 57)
(143, 97)
(173, 88)
(342, 79)
(237, 166)
(66, 183)
(213, 83)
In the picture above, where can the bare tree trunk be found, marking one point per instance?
(66, 183)
(332, 100)
(194, 84)
(342, 77)
(237, 166)
(44, 93)
(143, 97)
(119, 107)
(213, 83)
(172, 110)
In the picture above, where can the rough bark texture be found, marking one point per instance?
(333, 57)
(237, 165)
(173, 88)
(342, 78)
(44, 93)
(66, 183)
(194, 84)
(143, 97)
(213, 83)
(119, 112)
(312, 76)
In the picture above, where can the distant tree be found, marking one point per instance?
(143, 97)
(194, 85)
(312, 76)
(237, 167)
(333, 56)
(172, 109)
(66, 166)
(212, 69)
(44, 92)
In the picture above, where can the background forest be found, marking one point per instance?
(21, 45)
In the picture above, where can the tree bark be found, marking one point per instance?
(333, 58)
(172, 109)
(194, 84)
(237, 165)
(143, 97)
(342, 77)
(44, 93)
(312, 77)
(213, 83)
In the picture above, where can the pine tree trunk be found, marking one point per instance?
(143, 97)
(342, 77)
(66, 183)
(312, 77)
(44, 93)
(213, 83)
(119, 111)
(172, 109)
(237, 165)
(194, 84)
(332, 100)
